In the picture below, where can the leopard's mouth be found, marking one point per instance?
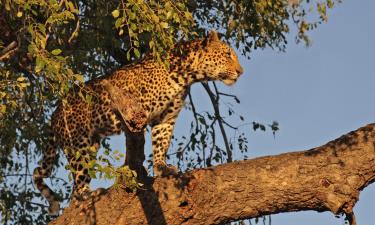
(229, 82)
(229, 78)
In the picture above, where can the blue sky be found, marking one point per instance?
(316, 94)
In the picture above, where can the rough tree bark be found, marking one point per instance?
(326, 178)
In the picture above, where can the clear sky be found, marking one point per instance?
(316, 94)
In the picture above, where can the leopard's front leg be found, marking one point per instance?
(161, 138)
(161, 133)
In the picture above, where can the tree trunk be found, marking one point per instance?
(326, 178)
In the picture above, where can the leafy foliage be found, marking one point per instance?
(49, 46)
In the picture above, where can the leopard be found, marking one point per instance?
(158, 90)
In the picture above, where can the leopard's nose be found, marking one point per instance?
(239, 70)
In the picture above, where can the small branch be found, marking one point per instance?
(9, 51)
(228, 95)
(193, 109)
(75, 32)
(215, 103)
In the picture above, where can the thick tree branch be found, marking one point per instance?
(326, 178)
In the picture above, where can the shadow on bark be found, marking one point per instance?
(147, 196)
(151, 205)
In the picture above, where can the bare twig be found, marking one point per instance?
(9, 51)
(215, 103)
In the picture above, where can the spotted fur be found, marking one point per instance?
(79, 125)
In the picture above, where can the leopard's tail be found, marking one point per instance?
(44, 170)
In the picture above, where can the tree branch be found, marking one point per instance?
(326, 178)
(8, 51)
(215, 103)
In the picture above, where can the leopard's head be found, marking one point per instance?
(216, 60)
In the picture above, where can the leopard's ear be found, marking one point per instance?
(212, 36)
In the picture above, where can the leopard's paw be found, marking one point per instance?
(164, 170)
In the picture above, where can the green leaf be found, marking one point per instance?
(78, 154)
(164, 25)
(115, 13)
(80, 78)
(7, 6)
(3, 109)
(128, 55)
(136, 52)
(151, 44)
(40, 63)
(56, 51)
(71, 7)
(21, 79)
(23, 85)
(119, 22)
(169, 14)
(92, 174)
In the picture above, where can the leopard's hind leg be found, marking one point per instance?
(79, 156)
